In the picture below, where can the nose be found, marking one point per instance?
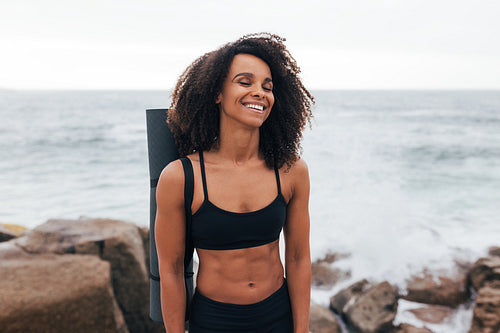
(258, 92)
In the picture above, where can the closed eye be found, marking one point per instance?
(248, 84)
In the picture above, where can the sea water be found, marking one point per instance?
(400, 180)
(403, 181)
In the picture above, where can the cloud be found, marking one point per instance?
(338, 44)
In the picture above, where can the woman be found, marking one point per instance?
(238, 114)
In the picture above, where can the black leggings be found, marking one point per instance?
(271, 315)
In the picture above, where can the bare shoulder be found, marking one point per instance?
(173, 172)
(171, 180)
(295, 178)
(299, 168)
(297, 172)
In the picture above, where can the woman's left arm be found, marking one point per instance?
(297, 252)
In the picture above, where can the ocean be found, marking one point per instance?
(400, 180)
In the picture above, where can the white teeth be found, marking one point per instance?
(255, 106)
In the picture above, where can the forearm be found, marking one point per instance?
(298, 275)
(173, 302)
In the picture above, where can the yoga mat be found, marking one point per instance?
(161, 151)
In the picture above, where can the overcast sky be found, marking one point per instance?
(348, 44)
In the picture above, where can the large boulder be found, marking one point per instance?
(9, 231)
(120, 243)
(484, 270)
(322, 320)
(366, 307)
(439, 290)
(487, 309)
(56, 293)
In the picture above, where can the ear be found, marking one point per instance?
(219, 99)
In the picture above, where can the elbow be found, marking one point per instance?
(298, 260)
(298, 255)
(171, 269)
(299, 267)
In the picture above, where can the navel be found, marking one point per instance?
(251, 284)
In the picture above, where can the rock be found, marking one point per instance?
(144, 232)
(440, 290)
(484, 270)
(9, 231)
(366, 307)
(375, 310)
(10, 250)
(330, 258)
(322, 320)
(324, 276)
(120, 243)
(56, 293)
(494, 251)
(486, 317)
(407, 328)
(434, 314)
(344, 296)
(463, 266)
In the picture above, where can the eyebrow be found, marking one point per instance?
(250, 75)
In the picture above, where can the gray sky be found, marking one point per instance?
(348, 44)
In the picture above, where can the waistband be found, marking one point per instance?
(278, 294)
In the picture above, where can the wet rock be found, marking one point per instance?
(434, 314)
(366, 307)
(10, 231)
(349, 294)
(322, 320)
(120, 243)
(56, 293)
(494, 251)
(375, 310)
(407, 328)
(439, 290)
(463, 266)
(484, 270)
(323, 276)
(486, 317)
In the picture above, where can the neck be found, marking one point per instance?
(238, 144)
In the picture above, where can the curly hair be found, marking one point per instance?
(193, 116)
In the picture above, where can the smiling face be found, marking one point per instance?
(247, 92)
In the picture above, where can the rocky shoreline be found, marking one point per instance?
(369, 307)
(92, 275)
(86, 275)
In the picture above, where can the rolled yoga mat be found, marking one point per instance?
(161, 151)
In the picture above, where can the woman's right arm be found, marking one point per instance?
(170, 240)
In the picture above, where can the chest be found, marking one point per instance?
(240, 191)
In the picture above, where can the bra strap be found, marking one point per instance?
(278, 179)
(203, 178)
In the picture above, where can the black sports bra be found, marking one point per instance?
(214, 228)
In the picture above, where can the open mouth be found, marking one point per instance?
(255, 107)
